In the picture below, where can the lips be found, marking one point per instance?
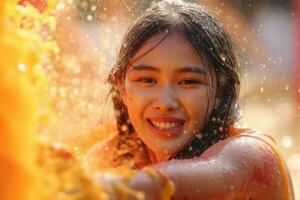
(166, 126)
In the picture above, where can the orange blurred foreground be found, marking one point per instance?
(18, 107)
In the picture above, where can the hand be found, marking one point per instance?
(116, 187)
(150, 186)
(107, 182)
(153, 184)
(146, 184)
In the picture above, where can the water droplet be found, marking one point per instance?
(93, 8)
(76, 148)
(89, 17)
(198, 136)
(57, 145)
(124, 128)
(261, 89)
(60, 6)
(287, 141)
(22, 67)
(223, 57)
(221, 129)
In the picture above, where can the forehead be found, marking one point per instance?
(167, 49)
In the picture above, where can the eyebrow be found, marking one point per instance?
(143, 68)
(191, 69)
(187, 69)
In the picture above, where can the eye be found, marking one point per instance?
(147, 80)
(189, 82)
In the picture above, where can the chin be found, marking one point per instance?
(165, 151)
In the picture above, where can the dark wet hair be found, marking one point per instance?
(214, 47)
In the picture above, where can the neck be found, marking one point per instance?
(157, 157)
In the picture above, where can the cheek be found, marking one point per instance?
(136, 101)
(135, 94)
(196, 105)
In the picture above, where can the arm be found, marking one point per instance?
(238, 167)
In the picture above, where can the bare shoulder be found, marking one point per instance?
(256, 155)
(101, 155)
(247, 144)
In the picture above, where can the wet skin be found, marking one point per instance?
(245, 166)
(168, 93)
(240, 167)
(169, 85)
(157, 88)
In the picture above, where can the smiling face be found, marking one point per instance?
(168, 93)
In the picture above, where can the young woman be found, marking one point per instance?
(175, 88)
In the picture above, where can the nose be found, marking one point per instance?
(166, 101)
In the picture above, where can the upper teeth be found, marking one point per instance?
(165, 125)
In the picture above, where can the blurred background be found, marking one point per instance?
(89, 32)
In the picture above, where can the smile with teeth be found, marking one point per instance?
(166, 125)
